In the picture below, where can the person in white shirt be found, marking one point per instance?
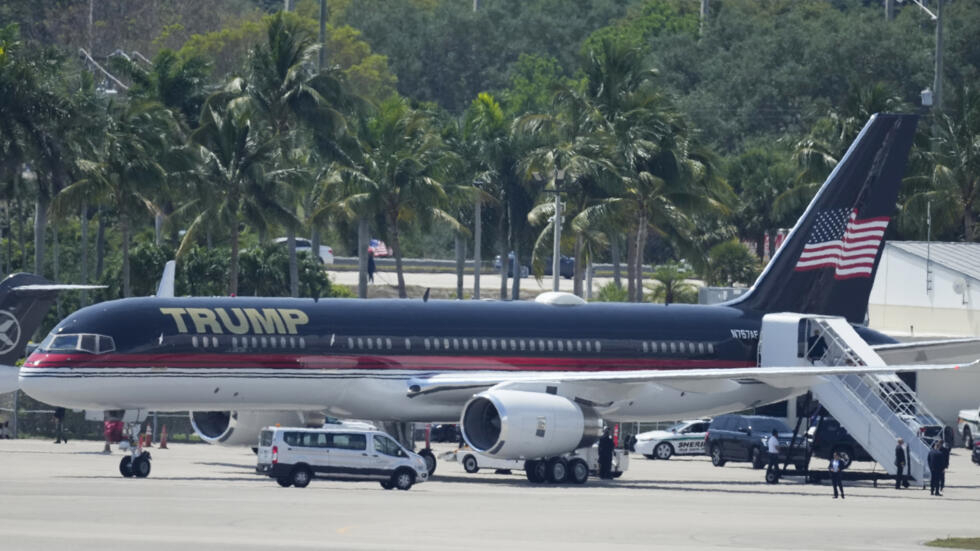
(835, 467)
(773, 448)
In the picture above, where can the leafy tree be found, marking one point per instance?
(731, 262)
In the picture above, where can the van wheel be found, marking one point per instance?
(757, 459)
(557, 470)
(285, 482)
(301, 476)
(716, 458)
(430, 460)
(403, 479)
(578, 471)
(387, 485)
(126, 467)
(470, 465)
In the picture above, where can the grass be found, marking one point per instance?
(956, 543)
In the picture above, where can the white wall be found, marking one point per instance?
(900, 304)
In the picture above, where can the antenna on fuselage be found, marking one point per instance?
(166, 287)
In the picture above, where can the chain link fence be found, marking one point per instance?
(24, 417)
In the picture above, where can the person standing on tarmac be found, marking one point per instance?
(605, 454)
(835, 468)
(937, 468)
(772, 445)
(901, 460)
(59, 422)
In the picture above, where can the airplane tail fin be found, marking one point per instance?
(827, 263)
(24, 301)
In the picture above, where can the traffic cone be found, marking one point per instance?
(149, 437)
(163, 438)
(141, 442)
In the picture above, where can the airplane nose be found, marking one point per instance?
(9, 375)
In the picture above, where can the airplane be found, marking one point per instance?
(525, 380)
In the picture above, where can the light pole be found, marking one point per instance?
(937, 83)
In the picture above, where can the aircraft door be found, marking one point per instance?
(781, 342)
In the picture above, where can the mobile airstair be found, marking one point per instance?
(876, 409)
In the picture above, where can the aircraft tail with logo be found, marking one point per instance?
(827, 263)
(24, 301)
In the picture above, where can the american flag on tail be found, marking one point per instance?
(841, 241)
(379, 248)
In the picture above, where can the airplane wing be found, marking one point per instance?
(693, 380)
(937, 351)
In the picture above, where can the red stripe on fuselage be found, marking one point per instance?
(401, 362)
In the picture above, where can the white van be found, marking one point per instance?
(293, 456)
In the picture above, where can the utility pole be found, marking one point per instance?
(704, 15)
(937, 85)
(477, 238)
(323, 35)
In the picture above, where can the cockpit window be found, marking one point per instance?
(86, 342)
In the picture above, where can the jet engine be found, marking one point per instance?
(515, 424)
(241, 428)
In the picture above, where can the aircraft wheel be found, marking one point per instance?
(141, 466)
(470, 465)
(557, 470)
(578, 471)
(430, 460)
(535, 470)
(126, 467)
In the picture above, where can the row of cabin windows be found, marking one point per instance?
(678, 347)
(474, 344)
(251, 342)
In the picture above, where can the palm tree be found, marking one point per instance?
(952, 187)
(662, 174)
(290, 94)
(398, 179)
(33, 119)
(234, 155)
(671, 285)
(127, 173)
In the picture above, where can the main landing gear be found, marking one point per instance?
(557, 470)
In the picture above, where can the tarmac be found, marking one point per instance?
(197, 496)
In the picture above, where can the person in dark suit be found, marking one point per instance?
(605, 454)
(937, 466)
(59, 420)
(901, 461)
(835, 467)
(371, 268)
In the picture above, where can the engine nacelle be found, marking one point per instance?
(515, 424)
(241, 428)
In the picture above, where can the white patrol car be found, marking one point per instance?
(293, 456)
(684, 438)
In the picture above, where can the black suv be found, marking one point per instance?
(828, 436)
(743, 438)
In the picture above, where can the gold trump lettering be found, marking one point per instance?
(237, 321)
